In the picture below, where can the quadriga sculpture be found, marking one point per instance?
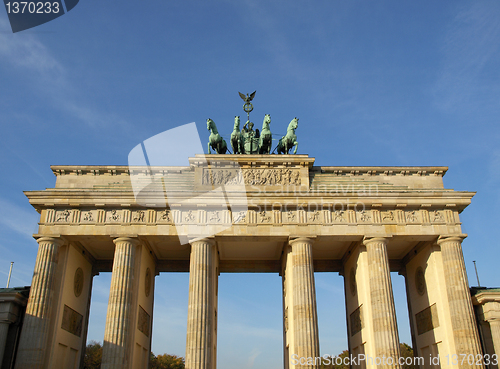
(266, 138)
(215, 140)
(236, 140)
(288, 141)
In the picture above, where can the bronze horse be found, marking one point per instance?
(215, 140)
(290, 139)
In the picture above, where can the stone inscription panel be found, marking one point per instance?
(143, 321)
(72, 321)
(356, 319)
(427, 319)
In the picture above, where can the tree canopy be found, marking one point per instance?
(93, 358)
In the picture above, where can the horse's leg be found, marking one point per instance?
(296, 147)
(232, 145)
(209, 147)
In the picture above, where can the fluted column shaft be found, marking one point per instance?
(117, 349)
(4, 330)
(460, 304)
(382, 301)
(495, 334)
(304, 301)
(36, 327)
(201, 306)
(459, 299)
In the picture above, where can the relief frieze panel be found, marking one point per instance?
(114, 216)
(88, 216)
(265, 216)
(164, 216)
(364, 216)
(437, 217)
(138, 216)
(315, 217)
(63, 216)
(388, 216)
(339, 216)
(412, 216)
(302, 216)
(239, 217)
(251, 176)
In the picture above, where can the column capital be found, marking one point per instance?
(308, 240)
(209, 240)
(451, 238)
(494, 320)
(52, 239)
(135, 241)
(369, 240)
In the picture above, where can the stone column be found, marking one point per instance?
(305, 315)
(4, 329)
(117, 349)
(37, 321)
(382, 301)
(201, 324)
(460, 304)
(495, 334)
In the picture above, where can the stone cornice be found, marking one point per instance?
(456, 200)
(483, 297)
(251, 161)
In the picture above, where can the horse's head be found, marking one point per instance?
(294, 123)
(237, 122)
(267, 119)
(209, 123)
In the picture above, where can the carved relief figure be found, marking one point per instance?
(389, 216)
(291, 216)
(214, 217)
(239, 217)
(63, 216)
(437, 216)
(338, 215)
(87, 217)
(189, 216)
(114, 216)
(139, 216)
(364, 216)
(165, 215)
(264, 218)
(411, 216)
(314, 216)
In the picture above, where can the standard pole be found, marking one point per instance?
(477, 275)
(10, 273)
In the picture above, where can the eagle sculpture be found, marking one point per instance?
(247, 98)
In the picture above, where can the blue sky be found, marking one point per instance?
(372, 82)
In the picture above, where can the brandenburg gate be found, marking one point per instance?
(248, 213)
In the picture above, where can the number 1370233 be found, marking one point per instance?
(32, 7)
